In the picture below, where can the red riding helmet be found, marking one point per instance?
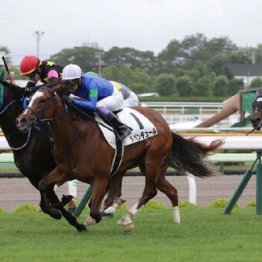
(29, 64)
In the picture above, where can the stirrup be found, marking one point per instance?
(121, 134)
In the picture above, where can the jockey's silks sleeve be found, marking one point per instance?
(89, 104)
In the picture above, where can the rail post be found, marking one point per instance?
(259, 185)
(83, 202)
(239, 190)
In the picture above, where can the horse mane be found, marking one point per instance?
(79, 113)
(75, 112)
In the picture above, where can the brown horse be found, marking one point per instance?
(82, 153)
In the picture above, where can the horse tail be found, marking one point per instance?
(188, 155)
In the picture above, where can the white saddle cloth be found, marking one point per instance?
(142, 127)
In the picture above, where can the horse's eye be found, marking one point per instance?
(42, 101)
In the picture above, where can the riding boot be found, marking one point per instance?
(120, 128)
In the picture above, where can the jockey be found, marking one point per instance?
(35, 69)
(95, 94)
(130, 98)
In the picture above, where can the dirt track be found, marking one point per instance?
(17, 191)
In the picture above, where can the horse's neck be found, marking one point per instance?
(15, 138)
(66, 131)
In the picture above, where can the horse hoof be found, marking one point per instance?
(128, 227)
(127, 223)
(89, 221)
(81, 228)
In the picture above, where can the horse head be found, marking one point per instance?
(256, 116)
(41, 108)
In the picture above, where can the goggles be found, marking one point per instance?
(69, 84)
(31, 75)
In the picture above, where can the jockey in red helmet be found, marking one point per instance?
(36, 70)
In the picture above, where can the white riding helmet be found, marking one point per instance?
(71, 72)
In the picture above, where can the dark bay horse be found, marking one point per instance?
(82, 153)
(32, 151)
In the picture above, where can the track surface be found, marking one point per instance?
(17, 191)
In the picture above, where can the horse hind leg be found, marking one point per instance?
(150, 190)
(171, 192)
(113, 200)
(99, 187)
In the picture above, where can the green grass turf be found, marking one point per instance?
(203, 235)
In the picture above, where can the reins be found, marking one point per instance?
(39, 119)
(9, 105)
(26, 142)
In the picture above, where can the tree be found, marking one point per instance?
(257, 82)
(203, 87)
(170, 58)
(258, 54)
(234, 86)
(86, 57)
(137, 80)
(184, 86)
(131, 58)
(5, 52)
(199, 70)
(165, 84)
(239, 56)
(217, 63)
(220, 86)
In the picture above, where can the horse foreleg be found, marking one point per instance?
(56, 177)
(67, 215)
(44, 204)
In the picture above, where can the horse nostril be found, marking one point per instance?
(20, 120)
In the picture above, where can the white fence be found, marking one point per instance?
(237, 142)
(181, 112)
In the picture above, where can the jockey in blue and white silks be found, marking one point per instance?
(95, 94)
(130, 98)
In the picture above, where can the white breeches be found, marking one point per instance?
(131, 100)
(115, 102)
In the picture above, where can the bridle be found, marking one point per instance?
(39, 116)
(41, 120)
